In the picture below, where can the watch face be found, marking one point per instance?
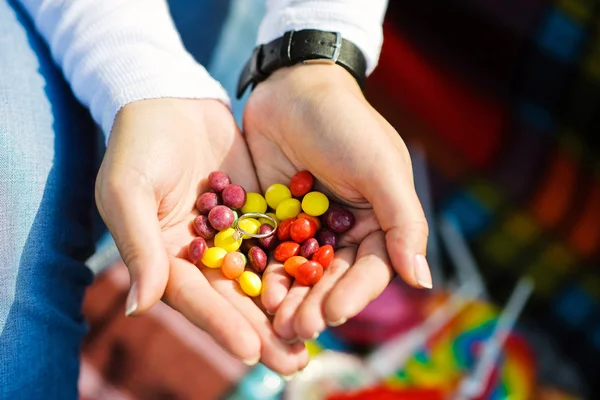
(327, 373)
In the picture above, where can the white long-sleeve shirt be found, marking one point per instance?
(114, 52)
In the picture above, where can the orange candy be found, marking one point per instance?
(291, 264)
(233, 265)
(286, 250)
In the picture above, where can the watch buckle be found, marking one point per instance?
(337, 47)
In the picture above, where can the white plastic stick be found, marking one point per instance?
(423, 188)
(460, 254)
(473, 385)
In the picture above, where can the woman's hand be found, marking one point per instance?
(315, 118)
(158, 158)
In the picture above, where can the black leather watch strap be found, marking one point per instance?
(302, 46)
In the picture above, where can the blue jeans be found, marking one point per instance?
(49, 155)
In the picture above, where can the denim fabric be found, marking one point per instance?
(48, 162)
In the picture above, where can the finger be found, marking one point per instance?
(310, 320)
(366, 280)
(130, 212)
(401, 216)
(284, 317)
(279, 356)
(191, 294)
(276, 284)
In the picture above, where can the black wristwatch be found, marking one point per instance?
(308, 46)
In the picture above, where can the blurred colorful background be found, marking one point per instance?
(499, 102)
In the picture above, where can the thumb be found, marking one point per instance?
(401, 217)
(130, 213)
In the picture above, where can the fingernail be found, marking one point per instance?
(338, 322)
(422, 272)
(313, 337)
(132, 300)
(269, 313)
(291, 341)
(251, 362)
(288, 378)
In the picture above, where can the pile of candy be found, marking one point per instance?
(299, 226)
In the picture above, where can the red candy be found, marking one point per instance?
(283, 230)
(286, 250)
(257, 259)
(234, 196)
(316, 220)
(207, 201)
(218, 181)
(196, 250)
(269, 242)
(309, 273)
(301, 183)
(338, 219)
(309, 247)
(221, 217)
(324, 255)
(302, 229)
(203, 228)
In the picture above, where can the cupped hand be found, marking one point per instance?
(158, 158)
(315, 118)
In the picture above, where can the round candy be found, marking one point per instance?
(309, 273)
(302, 229)
(315, 204)
(288, 209)
(257, 259)
(213, 257)
(339, 219)
(283, 230)
(291, 264)
(316, 220)
(249, 225)
(324, 255)
(225, 240)
(325, 236)
(301, 183)
(233, 265)
(269, 242)
(250, 283)
(309, 247)
(196, 249)
(277, 193)
(268, 221)
(255, 203)
(286, 250)
(207, 201)
(218, 181)
(221, 217)
(234, 196)
(203, 228)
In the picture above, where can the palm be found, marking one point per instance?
(174, 149)
(282, 141)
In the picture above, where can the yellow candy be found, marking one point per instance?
(315, 203)
(268, 221)
(277, 193)
(249, 225)
(254, 203)
(225, 240)
(288, 209)
(213, 257)
(250, 283)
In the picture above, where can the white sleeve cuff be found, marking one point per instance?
(359, 21)
(115, 52)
